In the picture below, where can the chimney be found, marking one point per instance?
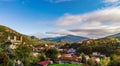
(14, 38)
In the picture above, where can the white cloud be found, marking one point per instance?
(42, 35)
(96, 32)
(108, 15)
(61, 32)
(95, 24)
(58, 1)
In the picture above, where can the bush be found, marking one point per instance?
(10, 63)
(115, 63)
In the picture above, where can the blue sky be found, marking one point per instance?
(44, 18)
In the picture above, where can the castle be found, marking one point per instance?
(15, 42)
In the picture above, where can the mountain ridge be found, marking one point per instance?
(67, 38)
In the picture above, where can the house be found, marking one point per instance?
(98, 54)
(43, 63)
(60, 50)
(71, 51)
(95, 53)
(36, 54)
(87, 57)
(66, 58)
(96, 59)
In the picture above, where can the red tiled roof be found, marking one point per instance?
(43, 63)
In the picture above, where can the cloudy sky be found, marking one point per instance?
(49, 18)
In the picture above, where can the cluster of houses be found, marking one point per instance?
(66, 58)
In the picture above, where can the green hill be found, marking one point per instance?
(116, 36)
(6, 31)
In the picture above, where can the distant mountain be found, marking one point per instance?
(6, 31)
(68, 38)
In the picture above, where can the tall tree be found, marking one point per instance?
(52, 53)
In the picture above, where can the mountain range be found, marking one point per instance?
(73, 38)
(67, 38)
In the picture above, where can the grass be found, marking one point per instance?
(65, 65)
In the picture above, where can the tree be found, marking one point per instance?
(10, 63)
(85, 49)
(83, 58)
(104, 62)
(23, 53)
(4, 59)
(52, 53)
(42, 57)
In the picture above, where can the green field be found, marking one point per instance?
(65, 65)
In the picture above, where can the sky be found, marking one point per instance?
(50, 18)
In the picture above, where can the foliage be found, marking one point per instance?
(85, 49)
(23, 53)
(10, 63)
(1, 50)
(115, 60)
(42, 57)
(83, 58)
(52, 53)
(104, 61)
(4, 59)
(115, 57)
(114, 63)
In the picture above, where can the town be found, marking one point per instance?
(84, 53)
(59, 32)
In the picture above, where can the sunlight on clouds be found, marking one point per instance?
(94, 32)
(95, 24)
(61, 32)
(108, 15)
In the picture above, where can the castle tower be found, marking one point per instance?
(8, 37)
(14, 38)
